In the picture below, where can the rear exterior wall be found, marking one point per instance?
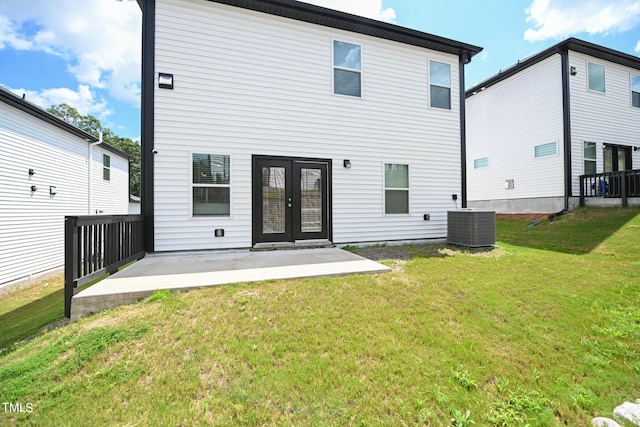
(248, 83)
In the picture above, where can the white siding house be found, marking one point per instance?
(44, 176)
(530, 127)
(280, 121)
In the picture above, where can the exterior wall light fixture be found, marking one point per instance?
(165, 81)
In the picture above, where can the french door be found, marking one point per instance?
(290, 199)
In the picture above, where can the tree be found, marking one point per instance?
(92, 125)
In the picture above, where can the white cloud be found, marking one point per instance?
(638, 47)
(101, 39)
(82, 99)
(367, 8)
(557, 19)
(9, 36)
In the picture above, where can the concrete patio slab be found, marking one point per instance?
(184, 271)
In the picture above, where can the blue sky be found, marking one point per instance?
(87, 53)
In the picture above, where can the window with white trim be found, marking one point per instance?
(589, 157)
(439, 85)
(596, 77)
(106, 167)
(396, 188)
(481, 163)
(546, 150)
(635, 90)
(210, 185)
(347, 69)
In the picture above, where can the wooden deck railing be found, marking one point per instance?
(96, 245)
(620, 184)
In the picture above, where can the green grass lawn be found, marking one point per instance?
(25, 311)
(543, 331)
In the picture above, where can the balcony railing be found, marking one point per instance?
(619, 185)
(96, 245)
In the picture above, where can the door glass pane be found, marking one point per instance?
(273, 200)
(310, 200)
(622, 163)
(608, 159)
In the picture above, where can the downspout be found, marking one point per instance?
(147, 118)
(566, 124)
(464, 58)
(91, 144)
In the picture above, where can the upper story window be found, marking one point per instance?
(635, 90)
(106, 167)
(595, 74)
(440, 85)
(211, 185)
(347, 69)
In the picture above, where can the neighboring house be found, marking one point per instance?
(278, 121)
(534, 129)
(44, 175)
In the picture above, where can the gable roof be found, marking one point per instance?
(573, 44)
(22, 104)
(345, 21)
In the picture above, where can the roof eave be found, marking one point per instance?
(572, 44)
(25, 106)
(345, 21)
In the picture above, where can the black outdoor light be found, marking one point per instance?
(165, 81)
(347, 164)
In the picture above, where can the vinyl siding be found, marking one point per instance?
(109, 197)
(32, 223)
(601, 117)
(247, 83)
(505, 123)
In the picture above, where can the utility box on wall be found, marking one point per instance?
(475, 228)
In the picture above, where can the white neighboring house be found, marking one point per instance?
(535, 128)
(44, 176)
(277, 121)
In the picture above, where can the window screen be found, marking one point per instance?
(396, 193)
(440, 85)
(596, 77)
(210, 193)
(347, 68)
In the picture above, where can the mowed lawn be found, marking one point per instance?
(543, 331)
